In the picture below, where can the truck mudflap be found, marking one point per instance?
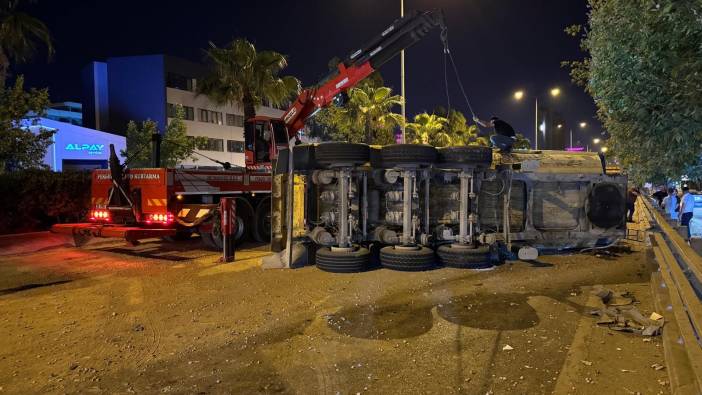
(83, 232)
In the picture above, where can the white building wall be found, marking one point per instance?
(212, 130)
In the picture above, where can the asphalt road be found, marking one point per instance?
(170, 318)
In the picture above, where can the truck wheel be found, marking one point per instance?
(335, 260)
(334, 153)
(606, 207)
(469, 155)
(464, 257)
(407, 259)
(262, 225)
(407, 154)
(181, 235)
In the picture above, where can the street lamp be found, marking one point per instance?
(604, 150)
(596, 140)
(583, 125)
(560, 125)
(520, 94)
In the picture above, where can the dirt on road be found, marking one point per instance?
(164, 318)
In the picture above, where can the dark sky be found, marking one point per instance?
(499, 45)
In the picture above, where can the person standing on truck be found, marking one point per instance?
(687, 206)
(504, 136)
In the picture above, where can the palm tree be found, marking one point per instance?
(429, 129)
(20, 35)
(374, 107)
(366, 117)
(241, 75)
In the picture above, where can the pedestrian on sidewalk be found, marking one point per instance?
(631, 196)
(670, 204)
(687, 206)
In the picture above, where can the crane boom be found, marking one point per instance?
(401, 34)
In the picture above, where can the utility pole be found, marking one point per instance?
(571, 138)
(536, 123)
(402, 77)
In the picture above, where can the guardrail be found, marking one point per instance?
(680, 275)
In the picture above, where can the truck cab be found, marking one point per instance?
(263, 138)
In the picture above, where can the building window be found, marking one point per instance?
(235, 146)
(211, 116)
(212, 145)
(177, 81)
(235, 120)
(188, 112)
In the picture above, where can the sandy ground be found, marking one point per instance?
(165, 318)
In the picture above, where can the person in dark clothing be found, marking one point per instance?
(631, 196)
(504, 136)
(660, 195)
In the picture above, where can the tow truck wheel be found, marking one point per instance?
(464, 257)
(181, 235)
(407, 258)
(343, 260)
(407, 154)
(262, 225)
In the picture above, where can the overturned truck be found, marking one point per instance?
(410, 207)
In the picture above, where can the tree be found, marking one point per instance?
(20, 148)
(429, 129)
(366, 117)
(241, 75)
(643, 72)
(20, 34)
(176, 145)
(521, 142)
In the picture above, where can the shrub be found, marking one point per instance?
(33, 200)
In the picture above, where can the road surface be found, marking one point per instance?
(164, 318)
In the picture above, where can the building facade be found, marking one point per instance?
(68, 112)
(553, 130)
(75, 147)
(151, 87)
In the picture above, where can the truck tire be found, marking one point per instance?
(409, 260)
(407, 154)
(181, 235)
(464, 258)
(468, 155)
(606, 206)
(335, 153)
(262, 225)
(342, 261)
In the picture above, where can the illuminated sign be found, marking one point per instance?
(575, 149)
(91, 149)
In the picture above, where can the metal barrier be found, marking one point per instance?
(680, 275)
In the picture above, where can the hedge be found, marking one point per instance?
(33, 200)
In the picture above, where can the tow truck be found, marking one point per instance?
(171, 203)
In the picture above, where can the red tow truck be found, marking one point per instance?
(140, 203)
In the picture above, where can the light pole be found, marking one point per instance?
(402, 77)
(519, 95)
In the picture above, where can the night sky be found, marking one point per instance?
(499, 45)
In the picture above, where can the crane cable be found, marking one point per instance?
(447, 54)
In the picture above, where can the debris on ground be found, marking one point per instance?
(619, 314)
(657, 366)
(586, 363)
(507, 347)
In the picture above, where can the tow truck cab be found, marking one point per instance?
(263, 139)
